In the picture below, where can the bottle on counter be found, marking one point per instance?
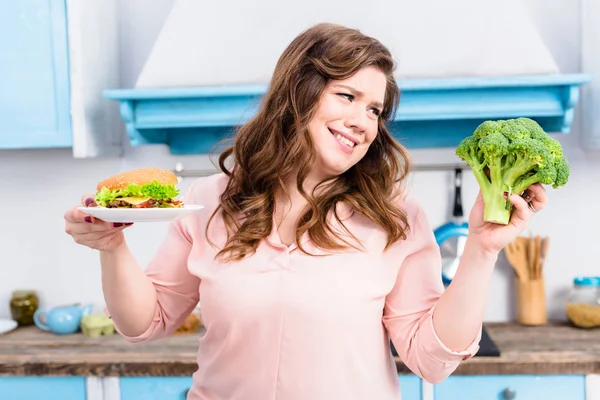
(583, 304)
(23, 305)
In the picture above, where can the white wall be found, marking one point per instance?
(37, 186)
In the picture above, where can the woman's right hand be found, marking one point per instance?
(92, 232)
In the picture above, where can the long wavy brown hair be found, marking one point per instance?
(275, 144)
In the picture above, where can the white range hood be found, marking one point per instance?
(238, 42)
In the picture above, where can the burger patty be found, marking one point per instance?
(149, 204)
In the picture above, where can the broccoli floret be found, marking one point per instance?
(487, 128)
(508, 156)
(563, 170)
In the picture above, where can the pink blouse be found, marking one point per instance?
(282, 325)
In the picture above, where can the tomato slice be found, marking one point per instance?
(145, 204)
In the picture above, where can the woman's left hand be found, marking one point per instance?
(492, 238)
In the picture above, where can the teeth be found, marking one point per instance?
(344, 140)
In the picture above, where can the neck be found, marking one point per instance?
(292, 201)
(309, 184)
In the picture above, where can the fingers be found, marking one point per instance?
(532, 200)
(99, 240)
(85, 227)
(88, 201)
(88, 230)
(88, 235)
(74, 216)
(536, 197)
(91, 232)
(522, 210)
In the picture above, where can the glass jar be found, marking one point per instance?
(583, 304)
(22, 306)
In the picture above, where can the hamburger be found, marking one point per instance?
(139, 188)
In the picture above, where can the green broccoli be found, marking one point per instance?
(508, 156)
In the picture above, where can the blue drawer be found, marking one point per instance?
(526, 387)
(173, 388)
(154, 388)
(42, 387)
(410, 387)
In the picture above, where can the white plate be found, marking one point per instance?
(7, 325)
(140, 214)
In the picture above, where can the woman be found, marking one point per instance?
(309, 256)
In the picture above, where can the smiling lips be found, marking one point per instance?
(348, 143)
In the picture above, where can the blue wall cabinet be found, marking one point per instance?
(508, 387)
(34, 78)
(42, 387)
(52, 73)
(154, 388)
(432, 112)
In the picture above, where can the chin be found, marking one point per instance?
(331, 167)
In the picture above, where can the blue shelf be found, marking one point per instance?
(432, 112)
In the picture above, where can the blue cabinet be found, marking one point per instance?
(34, 75)
(519, 387)
(174, 388)
(433, 112)
(410, 387)
(154, 388)
(480, 387)
(42, 387)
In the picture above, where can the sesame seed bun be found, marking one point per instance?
(138, 177)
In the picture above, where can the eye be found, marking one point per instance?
(376, 111)
(346, 96)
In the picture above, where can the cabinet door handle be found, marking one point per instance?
(509, 393)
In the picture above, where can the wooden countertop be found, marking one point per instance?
(553, 349)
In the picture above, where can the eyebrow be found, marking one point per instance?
(358, 93)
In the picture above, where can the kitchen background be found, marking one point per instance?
(38, 186)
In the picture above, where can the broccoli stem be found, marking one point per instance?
(517, 171)
(525, 183)
(482, 179)
(495, 207)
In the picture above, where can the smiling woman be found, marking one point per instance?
(320, 134)
(309, 255)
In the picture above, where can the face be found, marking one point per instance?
(345, 122)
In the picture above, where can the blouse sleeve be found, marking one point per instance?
(408, 311)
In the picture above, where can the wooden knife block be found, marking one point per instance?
(531, 302)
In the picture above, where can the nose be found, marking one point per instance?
(356, 121)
